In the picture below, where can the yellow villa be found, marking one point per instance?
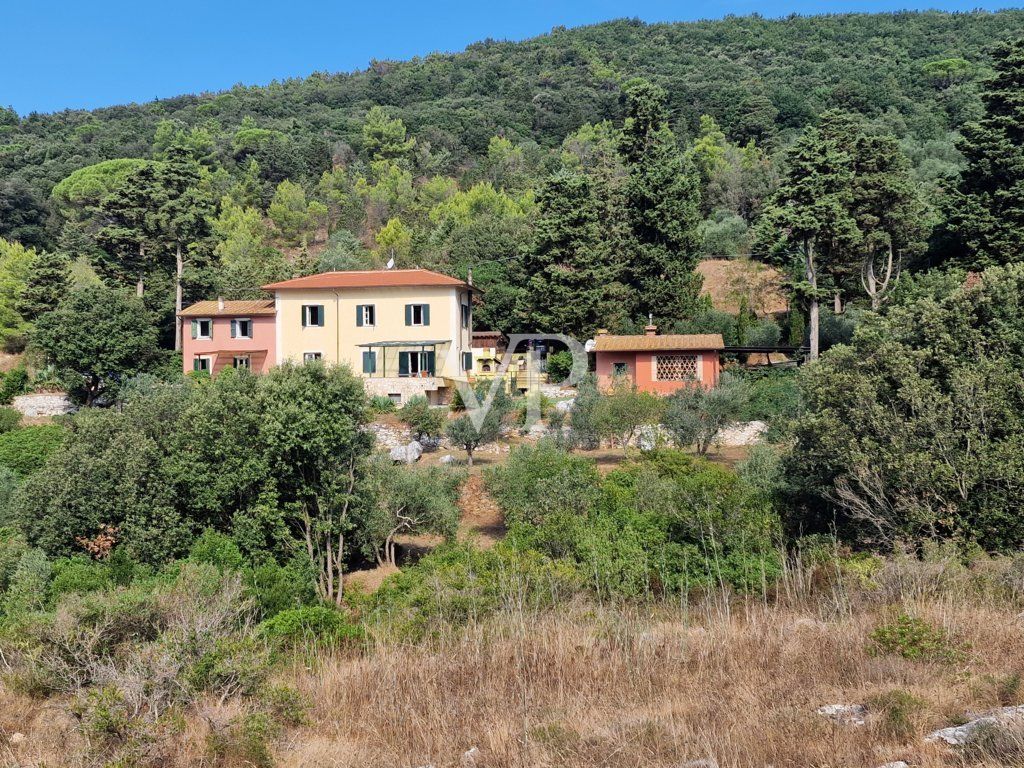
(406, 331)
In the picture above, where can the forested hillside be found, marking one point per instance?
(626, 150)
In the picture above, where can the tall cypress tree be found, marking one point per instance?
(569, 263)
(49, 279)
(662, 202)
(986, 213)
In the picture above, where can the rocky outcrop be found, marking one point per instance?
(958, 735)
(407, 454)
(845, 714)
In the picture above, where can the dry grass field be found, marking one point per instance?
(737, 681)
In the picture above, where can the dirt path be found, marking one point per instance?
(482, 521)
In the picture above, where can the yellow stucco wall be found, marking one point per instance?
(339, 338)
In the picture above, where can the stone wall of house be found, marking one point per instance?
(38, 404)
(433, 389)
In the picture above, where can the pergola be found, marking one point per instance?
(426, 363)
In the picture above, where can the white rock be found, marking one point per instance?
(537, 430)
(17, 738)
(446, 459)
(407, 454)
(958, 735)
(897, 764)
(845, 714)
(469, 758)
(706, 763)
(564, 406)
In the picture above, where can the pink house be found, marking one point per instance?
(659, 364)
(233, 334)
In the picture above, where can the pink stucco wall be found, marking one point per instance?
(641, 369)
(260, 348)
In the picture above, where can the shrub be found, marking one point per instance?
(773, 396)
(217, 550)
(246, 741)
(381, 404)
(423, 421)
(457, 583)
(559, 366)
(310, 625)
(897, 710)
(915, 639)
(695, 415)
(620, 414)
(13, 383)
(78, 575)
(26, 450)
(584, 430)
(274, 587)
(10, 420)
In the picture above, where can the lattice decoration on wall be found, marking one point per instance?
(677, 368)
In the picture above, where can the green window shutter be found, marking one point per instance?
(467, 361)
(195, 361)
(195, 329)
(305, 312)
(367, 361)
(359, 316)
(320, 315)
(431, 357)
(403, 362)
(408, 314)
(426, 316)
(234, 329)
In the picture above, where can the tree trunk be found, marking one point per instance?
(469, 457)
(140, 284)
(179, 266)
(837, 303)
(812, 278)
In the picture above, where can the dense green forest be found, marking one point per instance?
(624, 149)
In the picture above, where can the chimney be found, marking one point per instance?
(220, 303)
(601, 332)
(650, 330)
(469, 276)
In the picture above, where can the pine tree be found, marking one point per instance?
(809, 216)
(662, 207)
(49, 279)
(986, 214)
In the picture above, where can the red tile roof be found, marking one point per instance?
(377, 278)
(666, 343)
(231, 308)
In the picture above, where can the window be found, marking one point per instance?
(202, 328)
(369, 361)
(417, 314)
(620, 369)
(308, 357)
(395, 397)
(366, 314)
(465, 315)
(312, 315)
(486, 368)
(202, 363)
(241, 361)
(241, 328)
(677, 368)
(416, 363)
(467, 361)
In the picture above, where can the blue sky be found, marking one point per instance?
(92, 53)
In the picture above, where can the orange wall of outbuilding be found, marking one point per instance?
(642, 370)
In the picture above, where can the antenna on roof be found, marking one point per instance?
(391, 261)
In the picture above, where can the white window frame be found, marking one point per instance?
(308, 357)
(412, 314)
(246, 358)
(235, 321)
(199, 327)
(369, 315)
(209, 364)
(466, 314)
(306, 316)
